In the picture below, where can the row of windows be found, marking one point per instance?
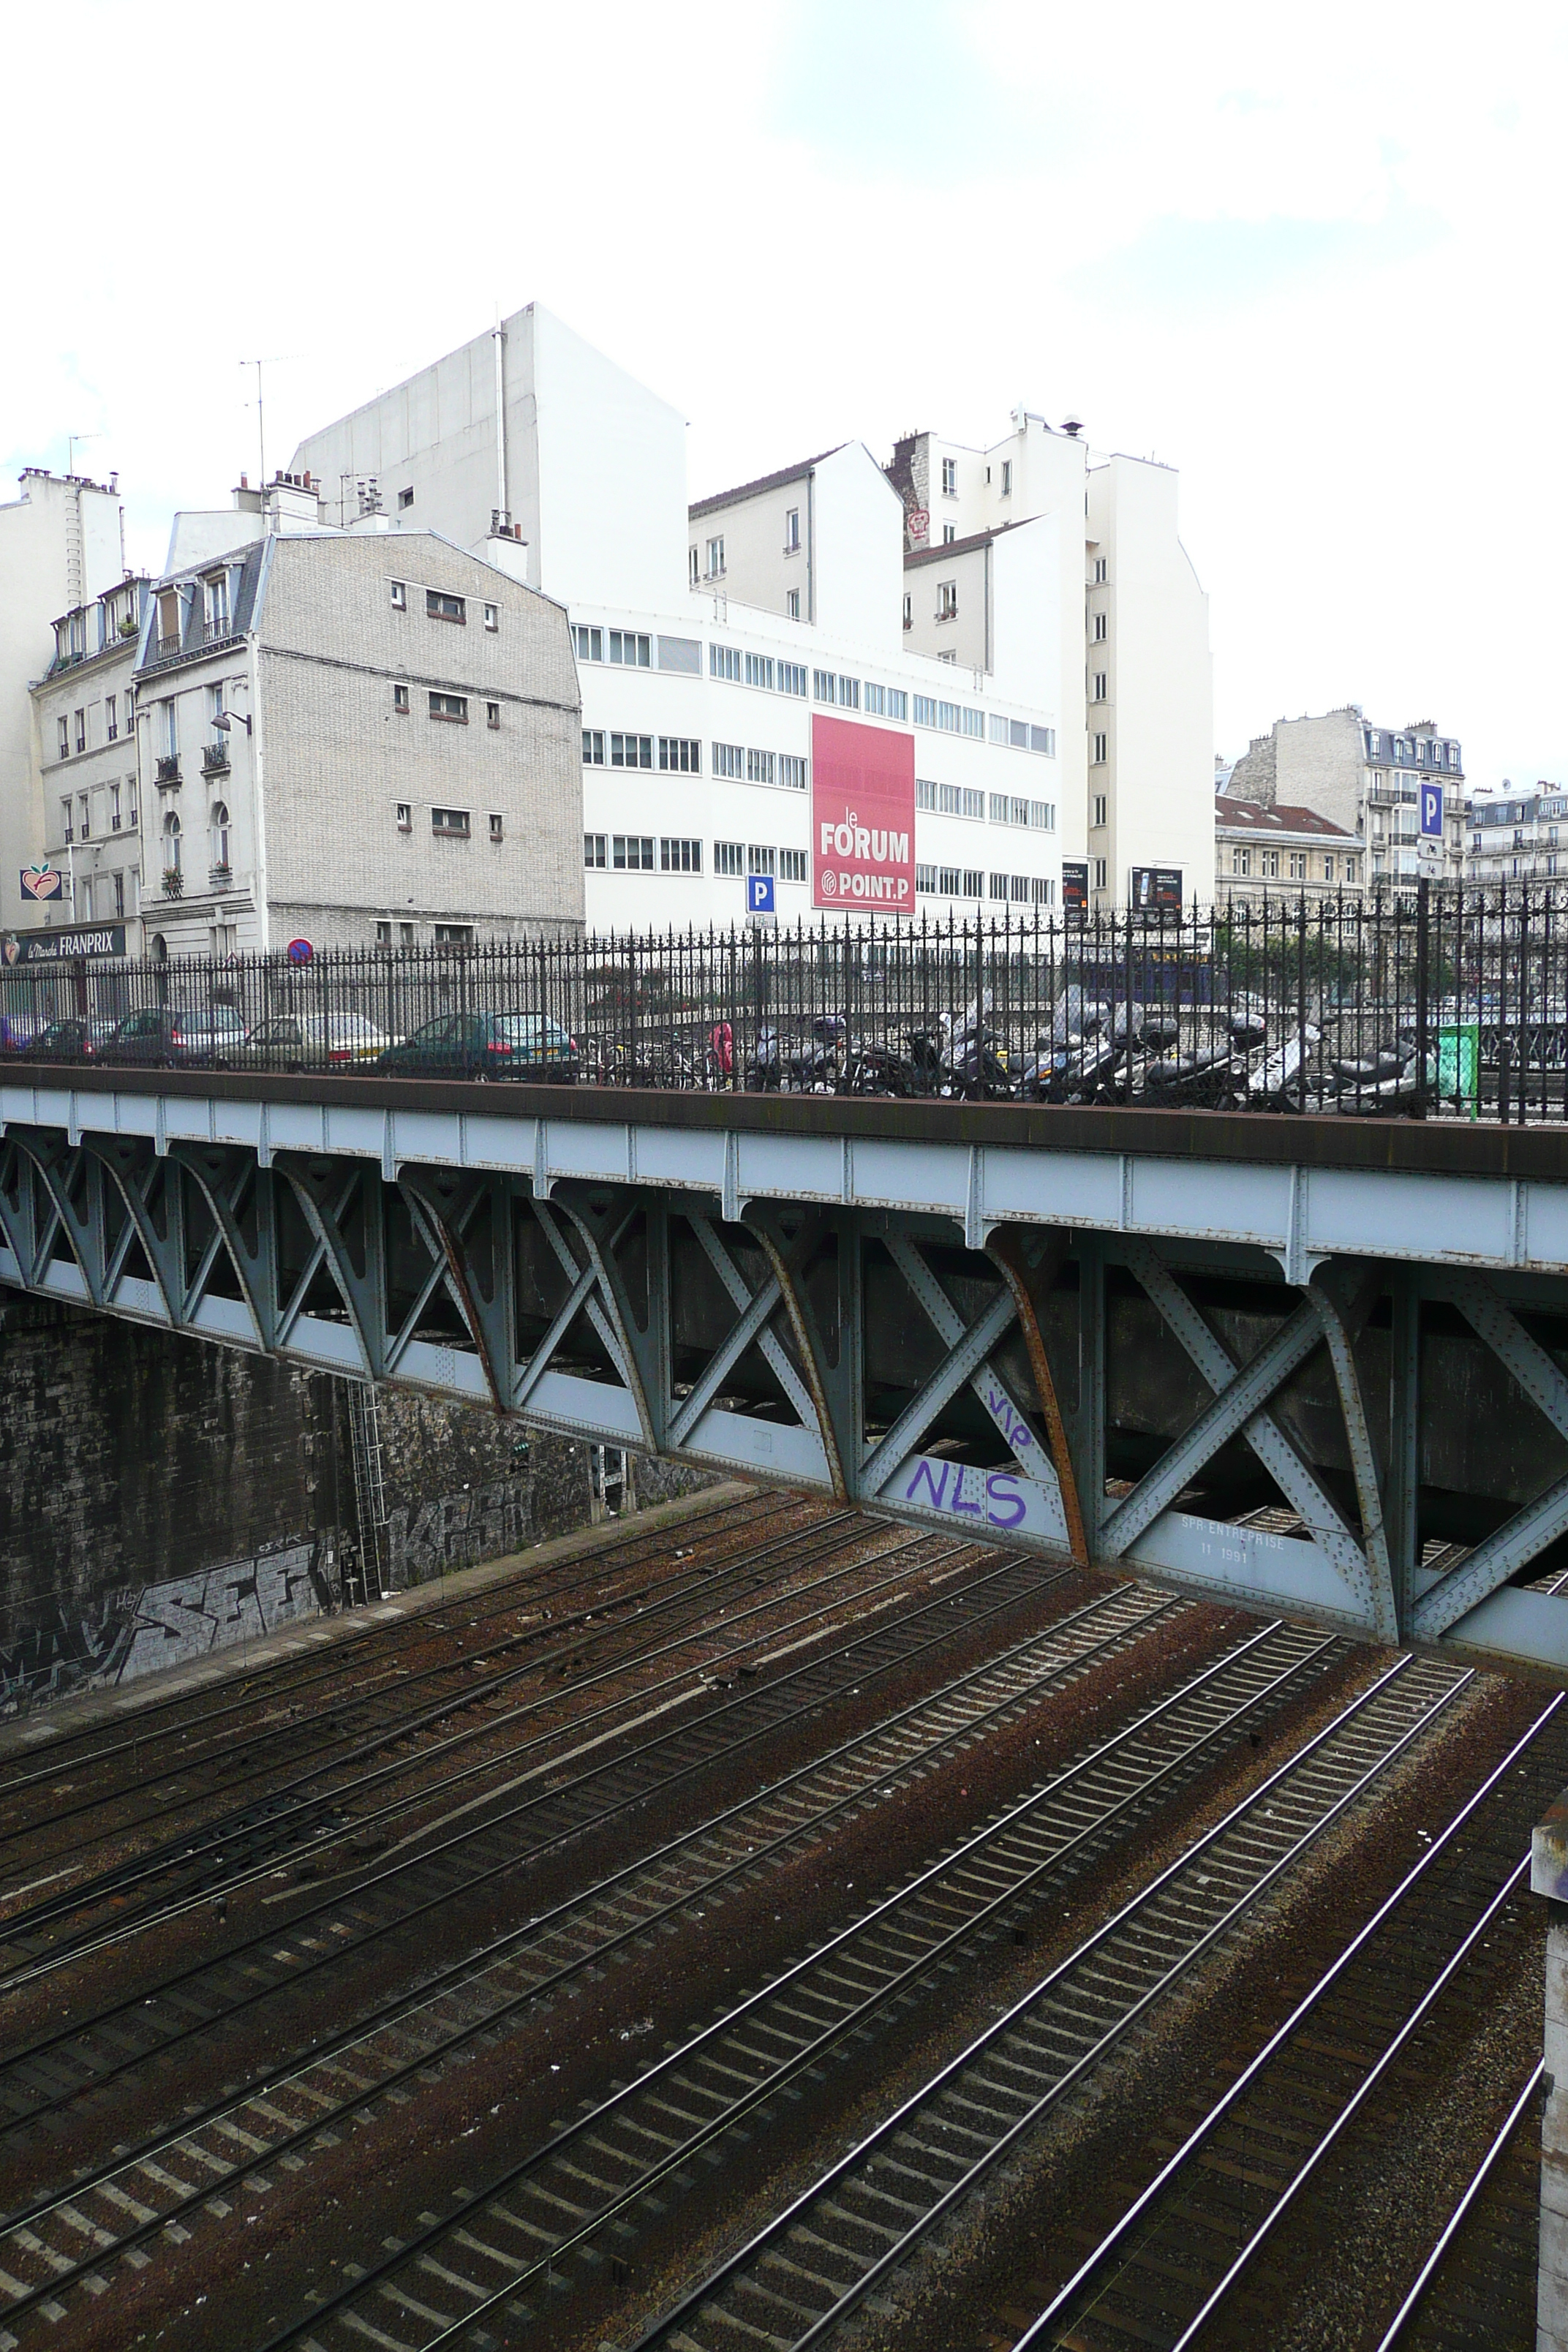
(441, 606)
(72, 734)
(1335, 867)
(643, 852)
(115, 811)
(774, 676)
(681, 755)
(451, 706)
(628, 649)
(448, 823)
(1411, 751)
(969, 882)
(1006, 808)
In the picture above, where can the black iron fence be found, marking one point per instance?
(1432, 1003)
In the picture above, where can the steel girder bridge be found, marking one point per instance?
(1304, 1365)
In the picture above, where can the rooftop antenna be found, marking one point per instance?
(71, 440)
(275, 360)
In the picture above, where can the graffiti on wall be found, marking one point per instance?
(138, 1628)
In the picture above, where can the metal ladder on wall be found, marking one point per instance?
(610, 1488)
(370, 1494)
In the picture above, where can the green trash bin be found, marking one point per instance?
(1459, 1067)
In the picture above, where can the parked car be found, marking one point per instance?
(18, 1031)
(310, 1041)
(488, 1046)
(172, 1035)
(74, 1039)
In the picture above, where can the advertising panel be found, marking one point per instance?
(86, 940)
(1075, 886)
(1157, 888)
(862, 818)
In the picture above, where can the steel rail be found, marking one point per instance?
(166, 2144)
(616, 1612)
(1352, 2107)
(1478, 2181)
(734, 2265)
(852, 2019)
(19, 1923)
(61, 1751)
(1159, 1607)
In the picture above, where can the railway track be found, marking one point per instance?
(171, 2178)
(862, 2219)
(1478, 2285)
(1184, 2259)
(598, 2179)
(183, 1718)
(40, 2078)
(287, 1811)
(232, 1853)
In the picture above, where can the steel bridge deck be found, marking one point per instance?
(1114, 1333)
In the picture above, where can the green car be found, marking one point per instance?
(486, 1045)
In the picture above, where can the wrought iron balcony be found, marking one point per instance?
(214, 756)
(168, 767)
(220, 877)
(174, 882)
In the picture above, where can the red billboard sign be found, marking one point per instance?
(862, 818)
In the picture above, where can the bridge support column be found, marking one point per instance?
(1549, 1878)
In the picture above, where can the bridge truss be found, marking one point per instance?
(1293, 1384)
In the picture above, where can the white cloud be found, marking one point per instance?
(1315, 263)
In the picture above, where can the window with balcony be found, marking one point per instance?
(216, 592)
(114, 811)
(80, 730)
(63, 739)
(83, 811)
(110, 718)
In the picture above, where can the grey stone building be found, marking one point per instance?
(359, 738)
(1366, 779)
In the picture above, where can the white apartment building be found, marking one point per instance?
(746, 679)
(356, 738)
(1136, 729)
(62, 545)
(88, 789)
(1368, 779)
(1522, 837)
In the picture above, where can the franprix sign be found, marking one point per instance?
(862, 818)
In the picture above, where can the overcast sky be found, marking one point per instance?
(1314, 260)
